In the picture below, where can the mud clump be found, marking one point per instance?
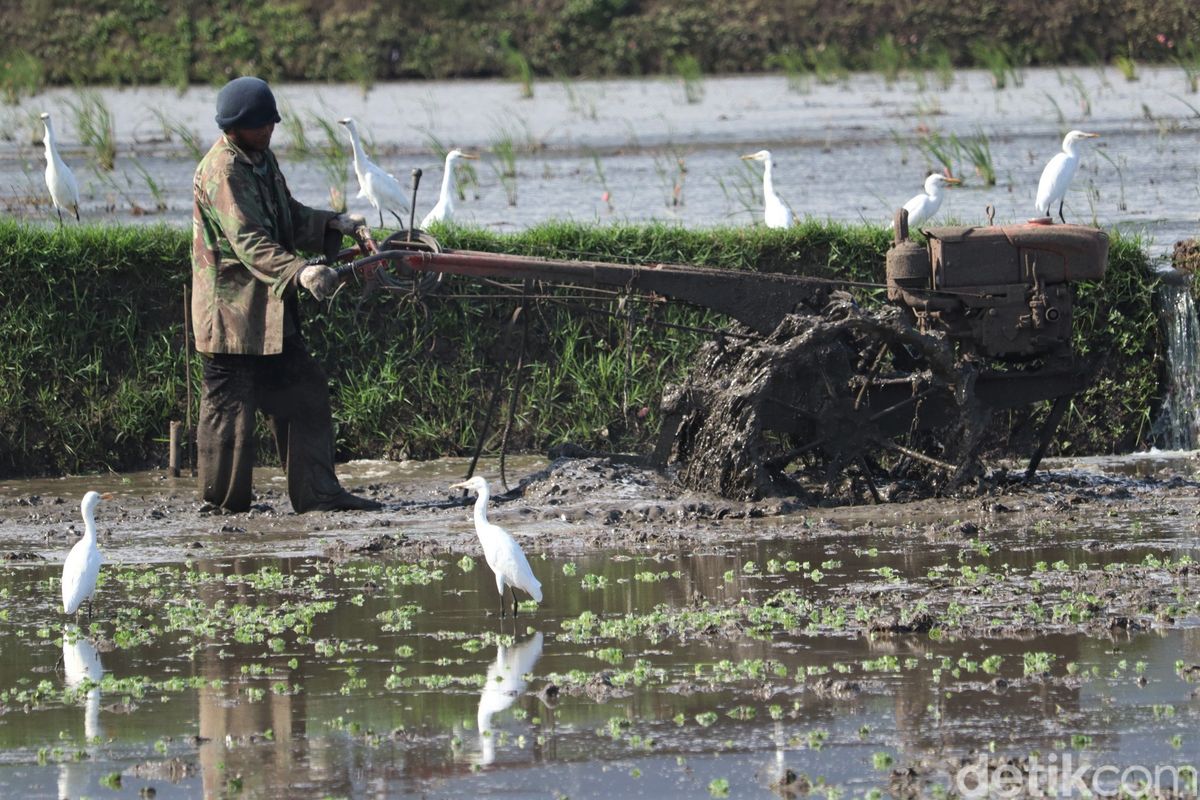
(832, 397)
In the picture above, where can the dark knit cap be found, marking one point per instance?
(245, 102)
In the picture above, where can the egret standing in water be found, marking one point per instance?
(444, 210)
(82, 566)
(64, 191)
(379, 188)
(1057, 175)
(500, 550)
(923, 206)
(776, 214)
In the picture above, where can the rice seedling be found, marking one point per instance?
(1058, 112)
(1082, 97)
(938, 149)
(795, 68)
(744, 190)
(297, 136)
(579, 101)
(828, 63)
(152, 185)
(1122, 204)
(20, 75)
(177, 130)
(517, 65)
(1187, 56)
(671, 168)
(94, 123)
(687, 68)
(505, 163)
(606, 194)
(333, 158)
(1126, 66)
(888, 59)
(943, 67)
(977, 151)
(996, 60)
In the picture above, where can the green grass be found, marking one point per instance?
(92, 364)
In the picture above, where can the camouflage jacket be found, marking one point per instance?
(246, 231)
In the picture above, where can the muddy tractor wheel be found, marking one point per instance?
(843, 406)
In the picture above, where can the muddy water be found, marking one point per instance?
(845, 151)
(690, 650)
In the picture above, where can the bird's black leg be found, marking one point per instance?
(380, 216)
(1060, 214)
(59, 210)
(89, 609)
(514, 595)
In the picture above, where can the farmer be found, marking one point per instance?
(246, 233)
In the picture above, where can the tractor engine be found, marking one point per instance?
(999, 291)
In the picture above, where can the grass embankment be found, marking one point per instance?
(92, 365)
(178, 43)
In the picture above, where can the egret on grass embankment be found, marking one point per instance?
(776, 214)
(64, 191)
(1057, 175)
(922, 207)
(377, 187)
(444, 210)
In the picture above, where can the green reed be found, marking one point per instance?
(94, 122)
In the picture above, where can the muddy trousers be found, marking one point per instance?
(292, 391)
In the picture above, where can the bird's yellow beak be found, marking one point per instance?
(748, 158)
(106, 496)
(471, 156)
(953, 180)
(1092, 135)
(462, 485)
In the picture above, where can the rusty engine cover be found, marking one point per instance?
(1001, 291)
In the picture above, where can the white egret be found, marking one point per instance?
(82, 566)
(444, 210)
(922, 207)
(64, 191)
(1057, 175)
(776, 214)
(500, 550)
(505, 683)
(379, 188)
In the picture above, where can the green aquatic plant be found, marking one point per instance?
(21, 74)
(687, 68)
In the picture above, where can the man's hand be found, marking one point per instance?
(320, 281)
(348, 223)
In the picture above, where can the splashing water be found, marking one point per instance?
(1179, 419)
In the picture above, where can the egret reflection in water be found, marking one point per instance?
(81, 662)
(505, 683)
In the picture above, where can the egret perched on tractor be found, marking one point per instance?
(377, 187)
(64, 191)
(82, 566)
(922, 207)
(503, 555)
(444, 210)
(1057, 176)
(776, 214)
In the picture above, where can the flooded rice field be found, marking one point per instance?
(686, 646)
(634, 150)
